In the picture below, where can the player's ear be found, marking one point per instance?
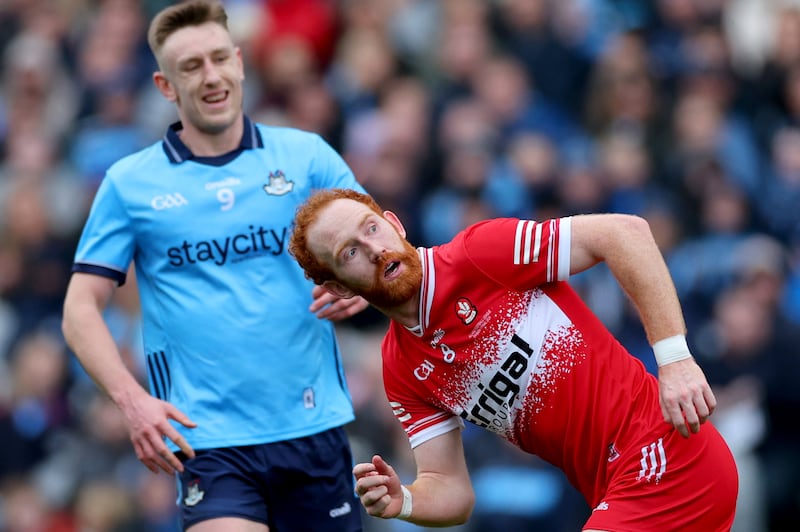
(338, 289)
(164, 86)
(395, 221)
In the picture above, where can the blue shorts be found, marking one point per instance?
(297, 485)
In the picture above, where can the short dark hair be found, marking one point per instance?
(181, 15)
(315, 269)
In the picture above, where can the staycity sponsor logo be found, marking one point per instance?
(168, 201)
(232, 248)
(496, 398)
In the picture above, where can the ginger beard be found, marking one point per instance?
(384, 293)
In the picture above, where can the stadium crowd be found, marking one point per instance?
(686, 112)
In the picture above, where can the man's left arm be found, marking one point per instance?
(626, 244)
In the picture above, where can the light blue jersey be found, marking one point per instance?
(227, 332)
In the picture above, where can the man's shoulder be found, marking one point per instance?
(271, 133)
(143, 161)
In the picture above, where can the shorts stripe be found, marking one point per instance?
(654, 461)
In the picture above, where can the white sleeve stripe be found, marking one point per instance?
(431, 287)
(518, 241)
(427, 420)
(551, 237)
(429, 433)
(564, 247)
(531, 226)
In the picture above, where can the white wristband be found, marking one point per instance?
(671, 349)
(405, 511)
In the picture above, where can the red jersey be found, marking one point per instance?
(506, 344)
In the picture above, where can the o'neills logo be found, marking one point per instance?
(465, 310)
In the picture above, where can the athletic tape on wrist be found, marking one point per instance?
(671, 350)
(405, 511)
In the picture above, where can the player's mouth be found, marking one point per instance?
(216, 98)
(392, 270)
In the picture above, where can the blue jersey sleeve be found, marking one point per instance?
(107, 243)
(329, 170)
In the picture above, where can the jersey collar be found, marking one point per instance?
(177, 152)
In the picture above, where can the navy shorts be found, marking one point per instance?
(297, 485)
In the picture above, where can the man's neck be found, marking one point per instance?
(406, 314)
(204, 144)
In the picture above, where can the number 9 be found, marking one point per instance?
(227, 198)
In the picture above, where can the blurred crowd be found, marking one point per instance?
(686, 112)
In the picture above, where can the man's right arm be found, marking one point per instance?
(627, 246)
(441, 495)
(89, 338)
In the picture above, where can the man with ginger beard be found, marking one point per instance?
(486, 329)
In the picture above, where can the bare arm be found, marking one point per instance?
(88, 336)
(626, 245)
(331, 307)
(441, 495)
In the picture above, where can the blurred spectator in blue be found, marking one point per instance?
(706, 125)
(364, 63)
(704, 143)
(37, 256)
(705, 263)
(748, 348)
(775, 86)
(37, 92)
(625, 167)
(35, 406)
(33, 159)
(672, 21)
(466, 140)
(524, 29)
(112, 53)
(779, 197)
(524, 175)
(106, 134)
(733, 349)
(514, 104)
(624, 96)
(465, 43)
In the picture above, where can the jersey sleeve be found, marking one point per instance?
(421, 420)
(329, 170)
(520, 254)
(107, 242)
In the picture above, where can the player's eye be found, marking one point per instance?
(350, 253)
(373, 228)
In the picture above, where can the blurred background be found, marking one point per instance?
(686, 112)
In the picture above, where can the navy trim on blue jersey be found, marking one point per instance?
(158, 371)
(102, 271)
(177, 152)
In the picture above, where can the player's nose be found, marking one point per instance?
(376, 251)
